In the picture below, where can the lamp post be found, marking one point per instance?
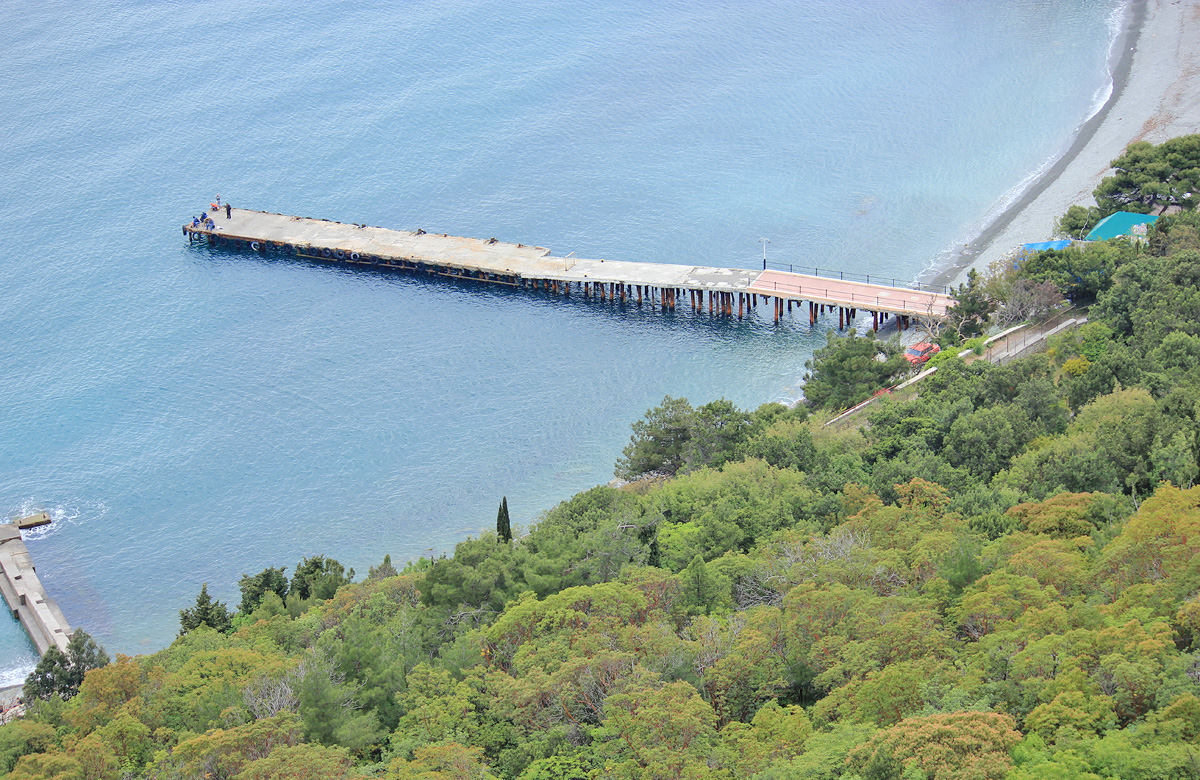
(764, 242)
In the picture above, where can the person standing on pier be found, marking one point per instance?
(228, 210)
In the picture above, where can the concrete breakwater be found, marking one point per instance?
(23, 591)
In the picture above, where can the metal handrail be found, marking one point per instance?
(864, 299)
(853, 277)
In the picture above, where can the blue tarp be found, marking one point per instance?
(1118, 224)
(1044, 245)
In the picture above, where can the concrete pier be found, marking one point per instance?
(23, 591)
(520, 265)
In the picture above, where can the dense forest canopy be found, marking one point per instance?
(997, 578)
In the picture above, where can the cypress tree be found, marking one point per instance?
(503, 527)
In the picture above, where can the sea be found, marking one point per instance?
(189, 415)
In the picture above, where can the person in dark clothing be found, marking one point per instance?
(228, 211)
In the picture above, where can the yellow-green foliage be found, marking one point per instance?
(998, 578)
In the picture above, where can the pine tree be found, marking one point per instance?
(503, 526)
(207, 612)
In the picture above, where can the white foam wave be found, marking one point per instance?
(15, 675)
(61, 514)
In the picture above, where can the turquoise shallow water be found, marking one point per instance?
(189, 416)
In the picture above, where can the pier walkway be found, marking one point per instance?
(23, 591)
(520, 265)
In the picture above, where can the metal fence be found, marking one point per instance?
(885, 281)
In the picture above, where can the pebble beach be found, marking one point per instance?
(1155, 96)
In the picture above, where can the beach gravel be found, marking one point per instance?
(1155, 96)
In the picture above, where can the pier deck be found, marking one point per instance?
(501, 262)
(23, 591)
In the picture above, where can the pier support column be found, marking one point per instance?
(739, 306)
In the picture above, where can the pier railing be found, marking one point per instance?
(926, 308)
(828, 273)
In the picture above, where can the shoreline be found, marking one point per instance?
(1155, 96)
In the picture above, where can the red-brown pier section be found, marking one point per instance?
(729, 291)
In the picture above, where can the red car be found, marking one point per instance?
(919, 353)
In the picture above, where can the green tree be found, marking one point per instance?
(702, 591)
(1077, 222)
(1081, 272)
(319, 577)
(848, 369)
(1148, 176)
(717, 434)
(22, 737)
(206, 612)
(661, 731)
(299, 762)
(383, 570)
(269, 580)
(983, 441)
(968, 316)
(503, 524)
(557, 768)
(658, 440)
(946, 746)
(61, 672)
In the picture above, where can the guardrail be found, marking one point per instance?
(884, 281)
(865, 300)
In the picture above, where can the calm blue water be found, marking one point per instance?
(189, 416)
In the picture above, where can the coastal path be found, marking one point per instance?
(520, 265)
